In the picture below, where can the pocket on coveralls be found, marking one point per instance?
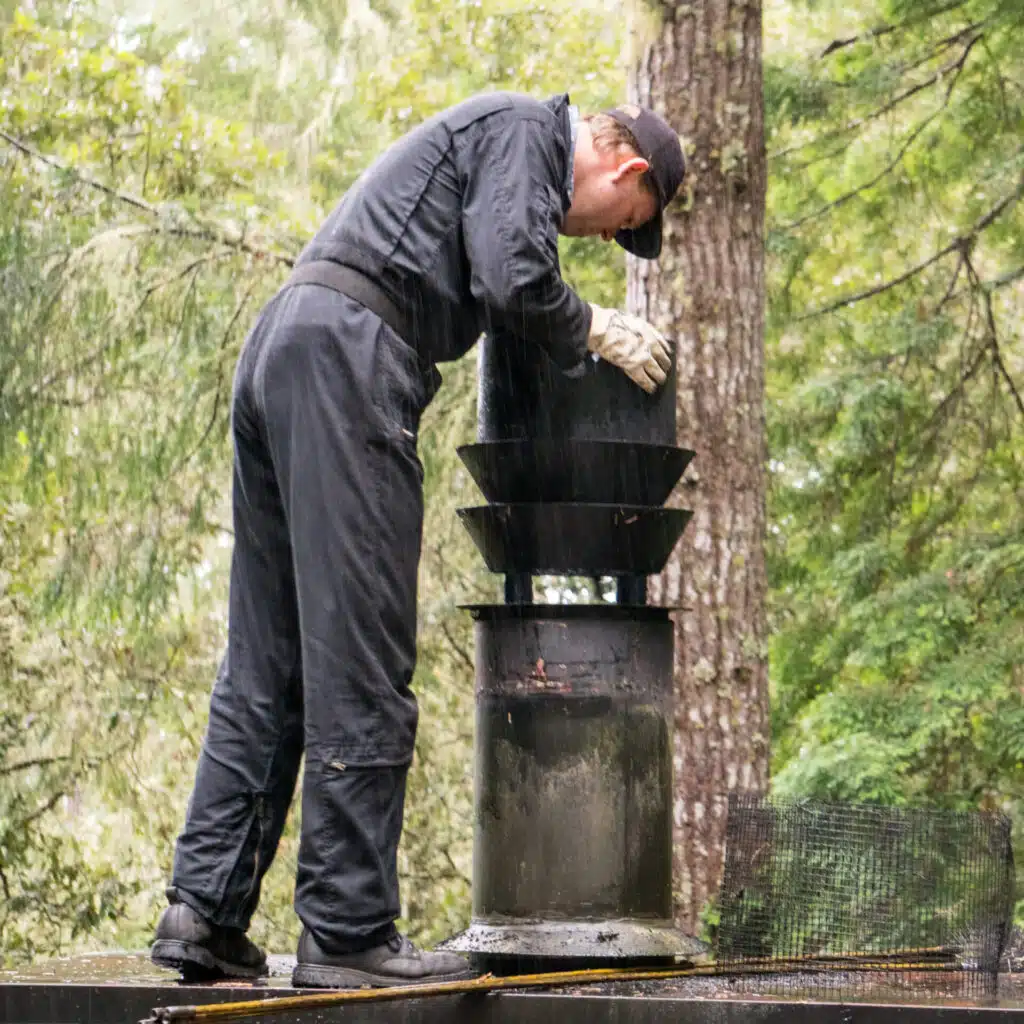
(399, 394)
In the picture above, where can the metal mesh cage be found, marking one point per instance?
(823, 886)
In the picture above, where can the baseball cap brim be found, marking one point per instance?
(644, 241)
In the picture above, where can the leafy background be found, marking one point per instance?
(160, 166)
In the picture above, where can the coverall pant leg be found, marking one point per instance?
(328, 514)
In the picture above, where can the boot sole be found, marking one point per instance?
(322, 976)
(198, 962)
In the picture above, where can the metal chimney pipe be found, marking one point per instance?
(573, 760)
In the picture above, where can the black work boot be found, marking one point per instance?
(187, 942)
(395, 962)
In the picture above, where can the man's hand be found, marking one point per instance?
(641, 351)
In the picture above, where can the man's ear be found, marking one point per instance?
(635, 165)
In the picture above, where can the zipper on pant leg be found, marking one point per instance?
(260, 807)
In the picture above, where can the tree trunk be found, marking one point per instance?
(700, 68)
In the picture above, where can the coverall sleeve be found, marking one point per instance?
(511, 213)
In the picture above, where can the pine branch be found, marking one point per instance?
(457, 647)
(220, 380)
(883, 30)
(211, 232)
(890, 105)
(32, 762)
(839, 44)
(1005, 279)
(896, 160)
(949, 504)
(941, 46)
(62, 373)
(961, 243)
(40, 810)
(34, 154)
(993, 335)
(952, 284)
(215, 233)
(814, 160)
(993, 284)
(940, 414)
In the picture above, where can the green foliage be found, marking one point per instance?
(155, 181)
(896, 421)
(118, 329)
(159, 168)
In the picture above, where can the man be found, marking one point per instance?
(453, 231)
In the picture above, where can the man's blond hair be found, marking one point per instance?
(609, 135)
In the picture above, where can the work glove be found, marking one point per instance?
(641, 351)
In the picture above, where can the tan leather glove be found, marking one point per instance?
(641, 351)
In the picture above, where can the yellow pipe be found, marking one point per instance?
(490, 983)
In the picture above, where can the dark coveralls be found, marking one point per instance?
(458, 224)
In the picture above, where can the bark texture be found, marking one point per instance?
(700, 68)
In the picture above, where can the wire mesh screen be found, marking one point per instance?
(831, 888)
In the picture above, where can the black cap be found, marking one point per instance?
(660, 147)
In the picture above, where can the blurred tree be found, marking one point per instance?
(896, 412)
(122, 301)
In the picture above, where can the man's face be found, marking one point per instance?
(609, 197)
